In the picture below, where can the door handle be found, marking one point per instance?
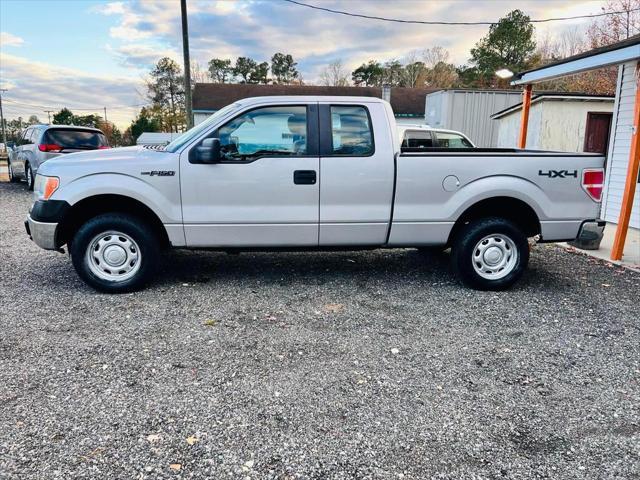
(304, 177)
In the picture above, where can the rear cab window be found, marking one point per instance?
(351, 131)
(75, 139)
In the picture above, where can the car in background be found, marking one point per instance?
(39, 143)
(423, 136)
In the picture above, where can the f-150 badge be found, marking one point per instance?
(558, 173)
(159, 173)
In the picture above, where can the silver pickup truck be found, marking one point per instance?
(309, 173)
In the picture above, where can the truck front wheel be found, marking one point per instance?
(490, 254)
(115, 252)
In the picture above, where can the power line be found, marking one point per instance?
(43, 107)
(425, 22)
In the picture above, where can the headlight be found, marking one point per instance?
(45, 186)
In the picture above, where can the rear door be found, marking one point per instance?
(356, 174)
(265, 190)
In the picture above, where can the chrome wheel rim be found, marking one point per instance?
(495, 256)
(113, 256)
(29, 177)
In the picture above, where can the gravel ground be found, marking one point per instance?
(318, 365)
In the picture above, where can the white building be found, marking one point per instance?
(621, 199)
(469, 112)
(564, 122)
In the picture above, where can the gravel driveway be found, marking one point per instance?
(315, 365)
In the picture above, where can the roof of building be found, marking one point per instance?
(214, 96)
(154, 138)
(613, 54)
(558, 97)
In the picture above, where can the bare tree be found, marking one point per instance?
(439, 72)
(335, 75)
(198, 74)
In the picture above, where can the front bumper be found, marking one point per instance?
(590, 235)
(42, 233)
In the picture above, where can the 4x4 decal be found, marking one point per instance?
(558, 173)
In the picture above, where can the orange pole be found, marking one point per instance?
(632, 178)
(524, 122)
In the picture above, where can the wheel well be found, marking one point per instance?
(509, 208)
(90, 207)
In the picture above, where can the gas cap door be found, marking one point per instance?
(451, 183)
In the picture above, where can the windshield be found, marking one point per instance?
(189, 135)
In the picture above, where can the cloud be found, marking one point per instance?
(260, 28)
(111, 8)
(9, 40)
(39, 86)
(141, 56)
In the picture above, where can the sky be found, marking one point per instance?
(87, 54)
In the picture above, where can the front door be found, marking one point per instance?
(596, 136)
(265, 190)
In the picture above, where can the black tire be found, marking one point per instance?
(464, 253)
(12, 177)
(148, 249)
(28, 175)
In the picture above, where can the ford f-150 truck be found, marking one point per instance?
(299, 172)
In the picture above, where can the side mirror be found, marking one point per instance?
(208, 151)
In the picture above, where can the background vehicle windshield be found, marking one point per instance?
(189, 135)
(75, 139)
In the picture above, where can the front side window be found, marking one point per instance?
(417, 139)
(351, 132)
(451, 140)
(267, 131)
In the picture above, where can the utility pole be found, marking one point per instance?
(105, 115)
(49, 112)
(4, 134)
(187, 63)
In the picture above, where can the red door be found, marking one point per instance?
(596, 135)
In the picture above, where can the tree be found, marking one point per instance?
(615, 27)
(283, 68)
(198, 74)
(33, 120)
(334, 75)
(63, 117)
(259, 73)
(393, 73)
(166, 92)
(244, 67)
(113, 134)
(221, 70)
(144, 122)
(368, 74)
(509, 44)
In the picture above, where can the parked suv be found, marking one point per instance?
(39, 143)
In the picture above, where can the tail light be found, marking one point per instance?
(592, 182)
(49, 147)
(103, 147)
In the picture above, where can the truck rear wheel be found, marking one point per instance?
(490, 254)
(115, 252)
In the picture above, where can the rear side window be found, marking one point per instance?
(351, 132)
(451, 140)
(75, 139)
(417, 139)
